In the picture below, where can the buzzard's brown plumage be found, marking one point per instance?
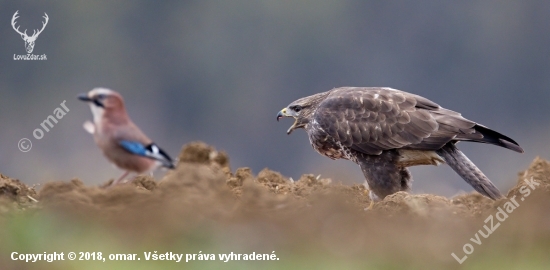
(386, 130)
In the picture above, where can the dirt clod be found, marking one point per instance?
(203, 192)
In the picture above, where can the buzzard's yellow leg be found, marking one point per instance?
(368, 192)
(370, 206)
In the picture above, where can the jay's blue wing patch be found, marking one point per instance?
(151, 151)
(135, 148)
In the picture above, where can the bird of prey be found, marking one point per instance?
(385, 130)
(121, 141)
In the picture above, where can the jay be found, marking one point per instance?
(120, 140)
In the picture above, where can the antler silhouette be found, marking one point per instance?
(13, 24)
(29, 41)
(43, 24)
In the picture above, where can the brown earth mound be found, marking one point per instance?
(311, 215)
(14, 194)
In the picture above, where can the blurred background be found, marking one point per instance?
(219, 71)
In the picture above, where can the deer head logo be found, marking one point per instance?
(29, 41)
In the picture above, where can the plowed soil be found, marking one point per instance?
(205, 206)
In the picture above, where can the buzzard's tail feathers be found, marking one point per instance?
(468, 171)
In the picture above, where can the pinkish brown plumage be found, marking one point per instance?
(120, 140)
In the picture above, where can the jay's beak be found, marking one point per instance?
(84, 97)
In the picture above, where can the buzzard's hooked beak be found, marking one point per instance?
(284, 113)
(84, 97)
(280, 115)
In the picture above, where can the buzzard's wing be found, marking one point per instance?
(371, 120)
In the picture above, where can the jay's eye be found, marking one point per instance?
(101, 96)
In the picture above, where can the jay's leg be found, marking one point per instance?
(120, 178)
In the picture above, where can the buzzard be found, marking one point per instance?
(386, 130)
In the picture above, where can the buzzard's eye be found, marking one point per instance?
(297, 108)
